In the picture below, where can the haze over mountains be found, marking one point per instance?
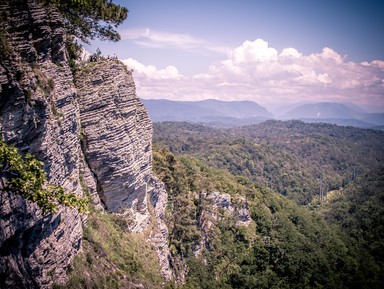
(234, 113)
(207, 111)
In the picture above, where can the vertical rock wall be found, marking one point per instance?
(117, 137)
(117, 143)
(39, 114)
(96, 133)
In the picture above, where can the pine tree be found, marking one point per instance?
(90, 19)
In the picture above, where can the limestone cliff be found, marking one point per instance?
(116, 135)
(96, 136)
(117, 143)
(39, 114)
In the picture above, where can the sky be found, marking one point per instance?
(274, 52)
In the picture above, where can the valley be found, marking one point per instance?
(102, 189)
(294, 239)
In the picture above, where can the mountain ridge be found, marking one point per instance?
(207, 111)
(337, 113)
(245, 112)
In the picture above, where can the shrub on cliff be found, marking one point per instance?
(25, 176)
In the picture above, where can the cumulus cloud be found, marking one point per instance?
(151, 71)
(256, 51)
(255, 71)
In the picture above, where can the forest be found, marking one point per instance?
(315, 197)
(271, 205)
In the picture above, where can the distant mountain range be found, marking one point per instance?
(336, 113)
(235, 113)
(207, 111)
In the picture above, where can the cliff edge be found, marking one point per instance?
(92, 134)
(116, 137)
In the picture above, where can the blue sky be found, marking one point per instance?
(272, 52)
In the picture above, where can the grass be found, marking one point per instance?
(112, 257)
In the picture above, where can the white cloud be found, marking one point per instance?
(157, 39)
(290, 53)
(255, 71)
(150, 71)
(257, 50)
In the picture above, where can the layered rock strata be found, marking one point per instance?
(93, 136)
(117, 143)
(40, 115)
(116, 136)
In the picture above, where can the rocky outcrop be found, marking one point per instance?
(216, 207)
(40, 115)
(159, 233)
(117, 143)
(222, 205)
(92, 136)
(116, 136)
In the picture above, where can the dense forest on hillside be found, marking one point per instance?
(296, 159)
(337, 243)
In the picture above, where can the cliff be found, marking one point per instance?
(40, 115)
(92, 135)
(117, 143)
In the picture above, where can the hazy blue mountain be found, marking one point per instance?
(375, 118)
(236, 109)
(207, 111)
(321, 110)
(336, 113)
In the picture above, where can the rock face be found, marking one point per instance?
(117, 143)
(94, 135)
(216, 206)
(116, 134)
(159, 233)
(39, 114)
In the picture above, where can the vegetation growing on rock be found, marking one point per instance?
(90, 19)
(286, 245)
(25, 176)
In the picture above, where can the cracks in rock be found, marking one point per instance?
(99, 189)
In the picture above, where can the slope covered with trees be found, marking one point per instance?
(284, 245)
(293, 158)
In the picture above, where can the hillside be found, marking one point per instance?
(233, 233)
(293, 246)
(289, 157)
(358, 210)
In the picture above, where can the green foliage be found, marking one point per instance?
(25, 176)
(288, 157)
(113, 258)
(285, 246)
(358, 210)
(5, 49)
(90, 19)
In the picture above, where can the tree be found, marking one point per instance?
(90, 19)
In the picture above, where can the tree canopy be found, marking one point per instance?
(90, 19)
